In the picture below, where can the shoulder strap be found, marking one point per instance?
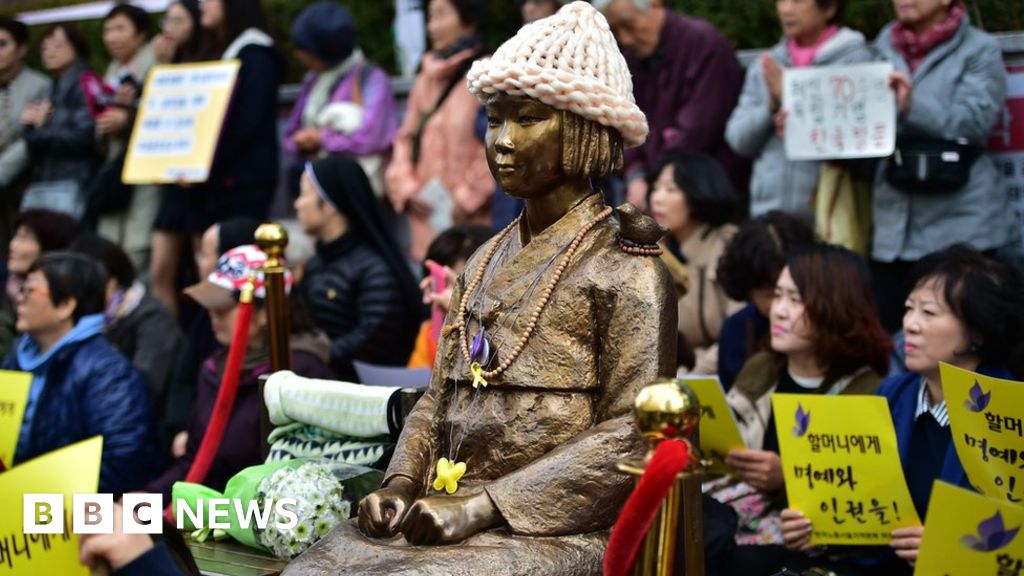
(460, 74)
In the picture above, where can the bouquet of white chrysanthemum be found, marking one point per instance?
(320, 504)
(324, 493)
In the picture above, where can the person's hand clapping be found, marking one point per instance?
(773, 80)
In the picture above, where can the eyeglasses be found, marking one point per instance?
(27, 289)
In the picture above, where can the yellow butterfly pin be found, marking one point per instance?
(448, 475)
(478, 375)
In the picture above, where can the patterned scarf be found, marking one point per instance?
(914, 47)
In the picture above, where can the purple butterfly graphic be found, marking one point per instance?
(803, 421)
(979, 398)
(992, 535)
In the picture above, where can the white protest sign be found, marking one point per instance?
(835, 112)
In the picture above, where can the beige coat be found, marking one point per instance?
(704, 308)
(751, 395)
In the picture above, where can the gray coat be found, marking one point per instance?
(64, 147)
(778, 183)
(27, 87)
(959, 89)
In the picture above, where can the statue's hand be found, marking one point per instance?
(449, 519)
(381, 512)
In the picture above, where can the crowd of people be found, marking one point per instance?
(94, 306)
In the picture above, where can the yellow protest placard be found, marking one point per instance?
(718, 431)
(14, 388)
(179, 122)
(33, 554)
(842, 467)
(985, 418)
(968, 534)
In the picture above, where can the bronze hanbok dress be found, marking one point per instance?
(542, 439)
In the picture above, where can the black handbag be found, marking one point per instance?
(922, 165)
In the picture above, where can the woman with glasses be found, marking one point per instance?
(81, 387)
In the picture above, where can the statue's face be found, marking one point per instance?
(524, 145)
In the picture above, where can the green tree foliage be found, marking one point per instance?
(748, 23)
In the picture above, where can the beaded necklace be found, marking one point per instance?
(475, 357)
(477, 353)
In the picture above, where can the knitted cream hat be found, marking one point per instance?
(569, 61)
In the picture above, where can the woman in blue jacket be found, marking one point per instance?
(966, 310)
(81, 387)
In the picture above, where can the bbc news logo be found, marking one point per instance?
(141, 513)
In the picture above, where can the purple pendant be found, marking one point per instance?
(481, 349)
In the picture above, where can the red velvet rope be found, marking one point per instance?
(210, 444)
(669, 459)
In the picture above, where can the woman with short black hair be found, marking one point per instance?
(690, 195)
(81, 386)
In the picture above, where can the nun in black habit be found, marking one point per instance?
(358, 287)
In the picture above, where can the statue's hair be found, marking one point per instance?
(589, 148)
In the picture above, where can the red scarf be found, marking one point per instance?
(914, 47)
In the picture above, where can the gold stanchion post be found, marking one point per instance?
(669, 409)
(273, 239)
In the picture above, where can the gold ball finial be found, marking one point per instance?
(667, 409)
(272, 238)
